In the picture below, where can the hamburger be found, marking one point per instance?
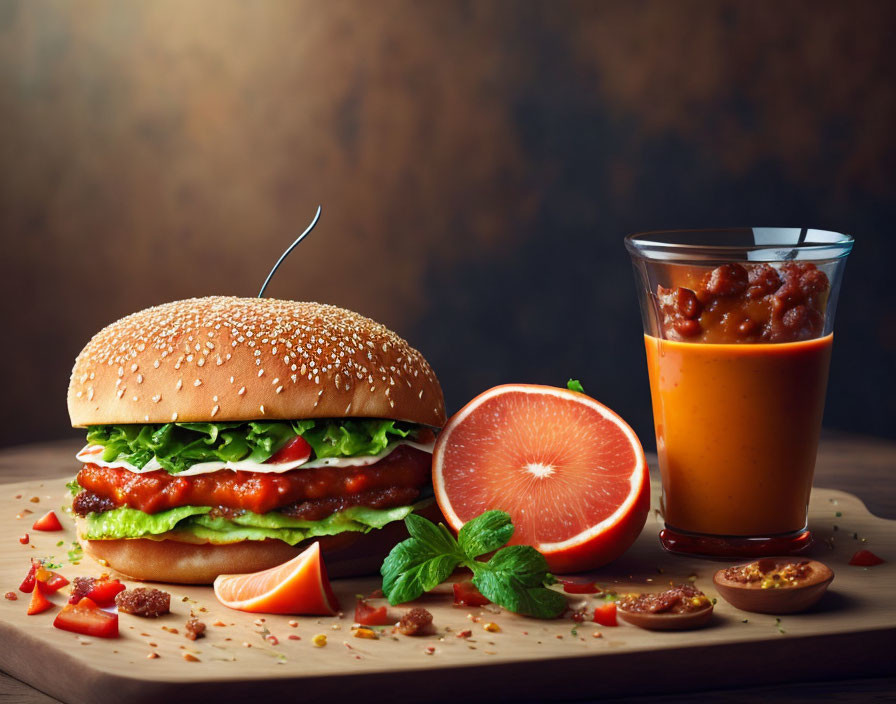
(225, 434)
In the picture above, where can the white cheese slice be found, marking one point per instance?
(93, 454)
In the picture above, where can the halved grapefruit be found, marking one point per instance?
(569, 471)
(299, 586)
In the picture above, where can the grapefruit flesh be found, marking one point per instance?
(299, 587)
(569, 471)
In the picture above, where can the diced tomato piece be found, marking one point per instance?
(24, 539)
(101, 591)
(605, 614)
(294, 450)
(579, 587)
(466, 594)
(88, 619)
(367, 615)
(39, 603)
(866, 558)
(28, 583)
(51, 581)
(47, 522)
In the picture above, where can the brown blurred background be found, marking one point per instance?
(478, 164)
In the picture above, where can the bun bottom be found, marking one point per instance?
(345, 555)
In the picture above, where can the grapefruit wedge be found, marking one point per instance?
(299, 586)
(569, 471)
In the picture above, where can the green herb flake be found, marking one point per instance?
(779, 626)
(575, 385)
(838, 514)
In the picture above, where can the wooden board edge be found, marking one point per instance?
(686, 669)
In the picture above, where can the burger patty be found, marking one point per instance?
(300, 492)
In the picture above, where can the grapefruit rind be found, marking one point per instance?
(638, 478)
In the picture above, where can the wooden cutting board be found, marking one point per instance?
(851, 633)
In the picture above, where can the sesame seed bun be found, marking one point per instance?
(239, 359)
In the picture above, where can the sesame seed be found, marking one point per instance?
(261, 409)
(179, 384)
(198, 382)
(261, 372)
(279, 389)
(157, 398)
(174, 416)
(215, 411)
(200, 361)
(139, 378)
(242, 391)
(119, 393)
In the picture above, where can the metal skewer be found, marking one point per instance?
(288, 250)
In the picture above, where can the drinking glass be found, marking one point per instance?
(738, 329)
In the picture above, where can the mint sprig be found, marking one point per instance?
(515, 577)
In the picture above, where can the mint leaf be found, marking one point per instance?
(485, 533)
(514, 579)
(420, 563)
(575, 385)
(429, 536)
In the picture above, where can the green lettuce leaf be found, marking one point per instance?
(178, 446)
(131, 523)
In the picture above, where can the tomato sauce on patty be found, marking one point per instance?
(151, 492)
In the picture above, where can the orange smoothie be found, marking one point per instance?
(737, 429)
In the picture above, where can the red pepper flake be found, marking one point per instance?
(272, 639)
(430, 650)
(464, 634)
(24, 539)
(169, 629)
(294, 637)
(12, 596)
(152, 656)
(189, 657)
(866, 558)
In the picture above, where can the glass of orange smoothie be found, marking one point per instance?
(738, 328)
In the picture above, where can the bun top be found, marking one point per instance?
(237, 359)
